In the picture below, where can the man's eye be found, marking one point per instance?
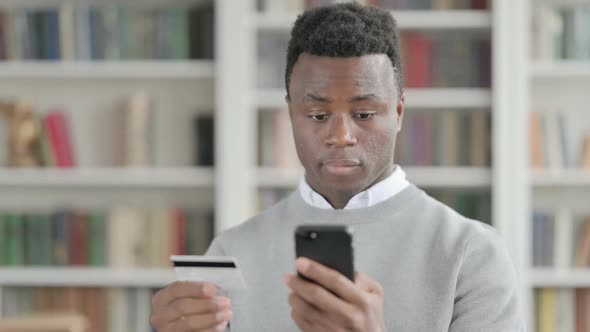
(364, 116)
(319, 117)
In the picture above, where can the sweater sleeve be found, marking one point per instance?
(486, 297)
(215, 248)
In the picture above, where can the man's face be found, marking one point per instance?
(345, 115)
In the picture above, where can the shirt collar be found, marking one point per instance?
(379, 192)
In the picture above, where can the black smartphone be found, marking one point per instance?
(329, 245)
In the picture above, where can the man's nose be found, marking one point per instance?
(341, 132)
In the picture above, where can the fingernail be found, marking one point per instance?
(302, 264)
(221, 327)
(224, 315)
(222, 302)
(209, 290)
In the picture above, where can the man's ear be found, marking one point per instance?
(399, 111)
(288, 101)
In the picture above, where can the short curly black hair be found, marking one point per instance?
(345, 30)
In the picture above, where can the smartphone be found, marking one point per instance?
(329, 245)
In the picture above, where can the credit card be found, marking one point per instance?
(222, 271)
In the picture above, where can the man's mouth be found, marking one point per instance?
(341, 167)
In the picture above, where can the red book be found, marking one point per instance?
(178, 232)
(78, 242)
(417, 61)
(59, 139)
(582, 310)
(479, 4)
(3, 37)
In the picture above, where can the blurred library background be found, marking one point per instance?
(132, 130)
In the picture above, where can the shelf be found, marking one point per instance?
(269, 99)
(561, 178)
(429, 177)
(156, 69)
(554, 278)
(108, 177)
(86, 277)
(560, 69)
(56, 3)
(406, 19)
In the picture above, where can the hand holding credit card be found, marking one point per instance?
(222, 271)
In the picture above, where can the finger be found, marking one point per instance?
(302, 323)
(183, 289)
(318, 295)
(219, 328)
(199, 322)
(330, 279)
(191, 306)
(369, 285)
(313, 314)
(307, 310)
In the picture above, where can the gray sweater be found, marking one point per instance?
(439, 270)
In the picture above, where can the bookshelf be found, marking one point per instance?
(557, 77)
(90, 92)
(418, 98)
(87, 277)
(508, 176)
(431, 177)
(109, 178)
(408, 19)
(227, 85)
(109, 70)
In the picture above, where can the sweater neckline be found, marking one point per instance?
(306, 213)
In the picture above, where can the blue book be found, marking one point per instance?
(96, 34)
(60, 238)
(31, 37)
(50, 35)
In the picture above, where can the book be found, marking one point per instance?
(3, 142)
(59, 139)
(98, 230)
(417, 59)
(582, 308)
(204, 133)
(564, 233)
(547, 310)
(14, 232)
(50, 35)
(565, 310)
(137, 136)
(583, 247)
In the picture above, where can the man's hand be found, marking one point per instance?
(335, 303)
(190, 306)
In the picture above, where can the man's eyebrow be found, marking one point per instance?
(317, 98)
(367, 97)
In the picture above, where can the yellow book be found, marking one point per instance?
(547, 314)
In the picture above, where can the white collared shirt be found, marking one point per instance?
(379, 192)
